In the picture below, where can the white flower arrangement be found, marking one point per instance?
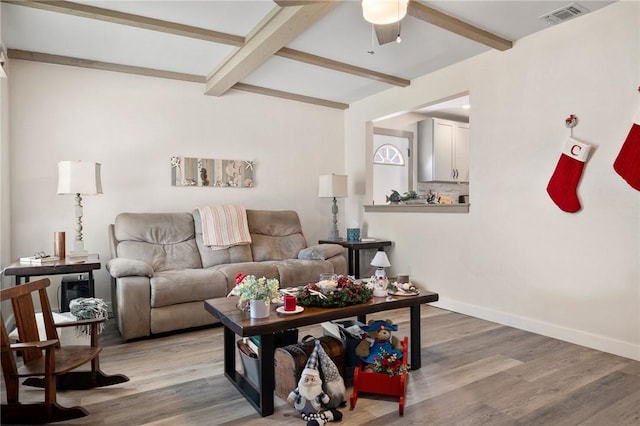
(248, 288)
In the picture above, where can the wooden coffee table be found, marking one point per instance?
(239, 323)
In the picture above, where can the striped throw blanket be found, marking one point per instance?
(224, 226)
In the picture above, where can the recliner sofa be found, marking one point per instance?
(162, 271)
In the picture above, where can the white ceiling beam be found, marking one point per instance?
(151, 72)
(284, 25)
(47, 58)
(291, 96)
(449, 23)
(321, 61)
(92, 12)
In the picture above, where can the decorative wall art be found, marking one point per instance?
(187, 171)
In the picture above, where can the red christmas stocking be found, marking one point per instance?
(563, 186)
(627, 163)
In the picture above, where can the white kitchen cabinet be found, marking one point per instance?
(443, 150)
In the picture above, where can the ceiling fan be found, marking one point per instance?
(385, 16)
(396, 10)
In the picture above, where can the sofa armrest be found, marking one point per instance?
(133, 298)
(321, 252)
(121, 267)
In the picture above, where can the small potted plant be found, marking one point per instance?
(256, 293)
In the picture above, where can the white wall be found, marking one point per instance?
(133, 125)
(516, 258)
(5, 229)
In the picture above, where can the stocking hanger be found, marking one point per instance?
(571, 122)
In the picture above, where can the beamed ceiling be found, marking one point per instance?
(319, 52)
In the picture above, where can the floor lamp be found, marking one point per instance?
(333, 186)
(79, 178)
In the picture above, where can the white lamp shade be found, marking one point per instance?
(333, 186)
(380, 260)
(79, 177)
(383, 12)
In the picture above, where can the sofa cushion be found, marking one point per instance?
(187, 285)
(295, 272)
(166, 241)
(275, 235)
(259, 269)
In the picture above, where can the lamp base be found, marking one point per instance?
(77, 255)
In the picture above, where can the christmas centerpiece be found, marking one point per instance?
(256, 293)
(335, 292)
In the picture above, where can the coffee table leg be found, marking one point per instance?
(261, 397)
(267, 374)
(416, 356)
(229, 352)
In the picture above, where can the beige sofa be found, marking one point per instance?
(162, 272)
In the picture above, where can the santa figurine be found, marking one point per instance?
(309, 398)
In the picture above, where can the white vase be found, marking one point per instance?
(259, 309)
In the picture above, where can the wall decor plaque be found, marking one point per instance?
(187, 171)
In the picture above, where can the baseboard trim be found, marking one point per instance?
(594, 341)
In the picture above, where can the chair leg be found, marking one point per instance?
(95, 367)
(13, 389)
(49, 382)
(78, 380)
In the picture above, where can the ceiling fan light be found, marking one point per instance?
(382, 12)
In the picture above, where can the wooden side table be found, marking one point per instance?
(354, 247)
(24, 271)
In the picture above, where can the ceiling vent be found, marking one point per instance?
(564, 13)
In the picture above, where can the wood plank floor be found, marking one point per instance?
(474, 372)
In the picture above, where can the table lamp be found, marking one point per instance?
(380, 261)
(333, 186)
(79, 178)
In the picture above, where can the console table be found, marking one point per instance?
(354, 247)
(63, 266)
(237, 322)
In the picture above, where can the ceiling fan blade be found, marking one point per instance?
(387, 33)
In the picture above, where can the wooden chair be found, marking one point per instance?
(45, 358)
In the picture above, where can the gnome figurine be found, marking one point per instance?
(309, 398)
(333, 384)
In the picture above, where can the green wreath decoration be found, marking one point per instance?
(346, 293)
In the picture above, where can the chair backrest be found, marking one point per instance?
(24, 312)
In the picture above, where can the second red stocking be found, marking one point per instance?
(627, 163)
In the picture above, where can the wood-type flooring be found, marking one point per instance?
(474, 372)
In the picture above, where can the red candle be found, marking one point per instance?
(289, 302)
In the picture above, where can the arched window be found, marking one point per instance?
(388, 154)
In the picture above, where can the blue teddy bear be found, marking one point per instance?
(378, 342)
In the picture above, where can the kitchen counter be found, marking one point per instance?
(417, 208)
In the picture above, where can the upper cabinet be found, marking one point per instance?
(443, 150)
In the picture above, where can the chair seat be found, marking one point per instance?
(67, 359)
